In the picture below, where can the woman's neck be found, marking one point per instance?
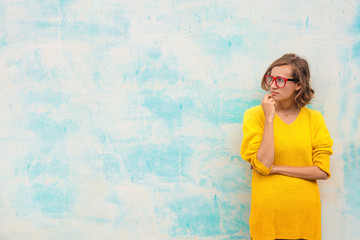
(286, 107)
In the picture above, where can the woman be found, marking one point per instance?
(289, 148)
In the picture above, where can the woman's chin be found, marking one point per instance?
(275, 96)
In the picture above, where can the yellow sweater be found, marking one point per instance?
(286, 207)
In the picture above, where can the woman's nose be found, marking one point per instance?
(273, 85)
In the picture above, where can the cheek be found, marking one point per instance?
(288, 92)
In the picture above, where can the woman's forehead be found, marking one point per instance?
(283, 71)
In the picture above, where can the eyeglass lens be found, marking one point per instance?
(280, 82)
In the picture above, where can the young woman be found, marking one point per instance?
(289, 148)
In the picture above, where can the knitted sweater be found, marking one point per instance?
(285, 207)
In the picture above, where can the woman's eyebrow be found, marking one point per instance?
(281, 76)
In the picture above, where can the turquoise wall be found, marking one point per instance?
(122, 119)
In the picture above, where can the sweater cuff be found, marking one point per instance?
(322, 161)
(260, 167)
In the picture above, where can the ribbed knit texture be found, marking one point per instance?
(286, 207)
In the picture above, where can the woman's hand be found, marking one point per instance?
(268, 106)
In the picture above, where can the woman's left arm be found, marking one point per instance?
(308, 173)
(321, 151)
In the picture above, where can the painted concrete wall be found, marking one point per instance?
(122, 119)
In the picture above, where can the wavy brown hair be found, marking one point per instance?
(301, 72)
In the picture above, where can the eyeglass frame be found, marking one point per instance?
(275, 79)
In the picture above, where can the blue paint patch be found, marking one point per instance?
(51, 199)
(3, 42)
(355, 119)
(32, 29)
(235, 157)
(22, 203)
(196, 216)
(65, 3)
(220, 46)
(116, 27)
(231, 182)
(356, 50)
(31, 67)
(319, 108)
(205, 106)
(356, 26)
(154, 53)
(307, 23)
(45, 24)
(357, 88)
(234, 218)
(55, 99)
(232, 110)
(114, 199)
(42, 169)
(163, 160)
(345, 76)
(162, 106)
(50, 133)
(351, 159)
(47, 9)
(96, 76)
(111, 167)
(80, 29)
(47, 129)
(165, 70)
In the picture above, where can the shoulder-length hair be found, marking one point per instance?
(301, 72)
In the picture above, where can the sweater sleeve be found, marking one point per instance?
(253, 129)
(322, 144)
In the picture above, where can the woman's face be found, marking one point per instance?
(287, 92)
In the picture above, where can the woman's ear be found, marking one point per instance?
(298, 86)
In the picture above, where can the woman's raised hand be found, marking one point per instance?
(268, 106)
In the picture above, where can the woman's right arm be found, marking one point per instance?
(258, 137)
(266, 153)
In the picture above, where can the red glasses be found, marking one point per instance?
(280, 82)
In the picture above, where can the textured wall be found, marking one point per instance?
(122, 119)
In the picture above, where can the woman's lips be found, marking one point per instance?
(274, 93)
